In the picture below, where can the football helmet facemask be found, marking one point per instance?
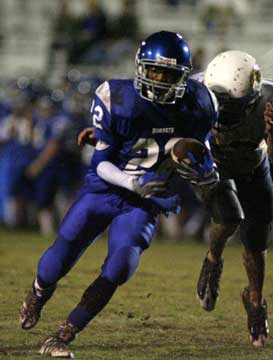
(163, 64)
(235, 78)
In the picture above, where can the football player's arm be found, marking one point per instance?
(268, 118)
(211, 175)
(102, 163)
(49, 152)
(87, 137)
(145, 185)
(53, 146)
(107, 147)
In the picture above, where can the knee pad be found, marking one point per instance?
(223, 203)
(255, 236)
(122, 264)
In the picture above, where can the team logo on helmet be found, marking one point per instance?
(167, 61)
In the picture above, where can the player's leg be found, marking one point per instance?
(257, 202)
(45, 190)
(83, 223)
(130, 233)
(226, 212)
(17, 184)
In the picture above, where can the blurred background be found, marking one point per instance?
(53, 55)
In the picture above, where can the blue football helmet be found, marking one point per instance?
(166, 54)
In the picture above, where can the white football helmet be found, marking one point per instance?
(233, 72)
(235, 77)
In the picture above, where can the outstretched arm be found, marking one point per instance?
(43, 159)
(268, 118)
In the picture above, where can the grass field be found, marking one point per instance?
(154, 316)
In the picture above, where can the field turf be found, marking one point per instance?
(154, 316)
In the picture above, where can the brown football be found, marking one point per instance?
(182, 147)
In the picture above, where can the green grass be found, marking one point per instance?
(154, 316)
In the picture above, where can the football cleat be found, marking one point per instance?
(56, 346)
(31, 311)
(257, 322)
(209, 283)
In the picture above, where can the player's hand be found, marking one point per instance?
(268, 118)
(197, 173)
(87, 136)
(149, 184)
(210, 179)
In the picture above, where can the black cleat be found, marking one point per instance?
(57, 345)
(257, 322)
(209, 283)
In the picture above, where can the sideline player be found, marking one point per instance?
(239, 149)
(136, 125)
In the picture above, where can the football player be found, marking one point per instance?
(239, 148)
(136, 125)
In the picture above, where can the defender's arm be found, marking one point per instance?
(268, 118)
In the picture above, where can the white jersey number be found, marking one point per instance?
(148, 150)
(97, 115)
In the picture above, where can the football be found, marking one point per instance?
(182, 148)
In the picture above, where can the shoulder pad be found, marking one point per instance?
(103, 92)
(198, 76)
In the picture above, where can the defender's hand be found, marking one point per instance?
(87, 136)
(210, 179)
(268, 118)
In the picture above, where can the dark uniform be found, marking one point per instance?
(240, 153)
(244, 195)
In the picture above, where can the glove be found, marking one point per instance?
(168, 204)
(149, 184)
(199, 173)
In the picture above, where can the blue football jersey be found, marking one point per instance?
(52, 128)
(140, 134)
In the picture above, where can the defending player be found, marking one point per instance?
(239, 148)
(136, 124)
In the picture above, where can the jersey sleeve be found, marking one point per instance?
(210, 113)
(101, 114)
(102, 122)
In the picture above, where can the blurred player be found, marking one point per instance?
(239, 149)
(35, 160)
(136, 125)
(45, 171)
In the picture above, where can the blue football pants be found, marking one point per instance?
(131, 230)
